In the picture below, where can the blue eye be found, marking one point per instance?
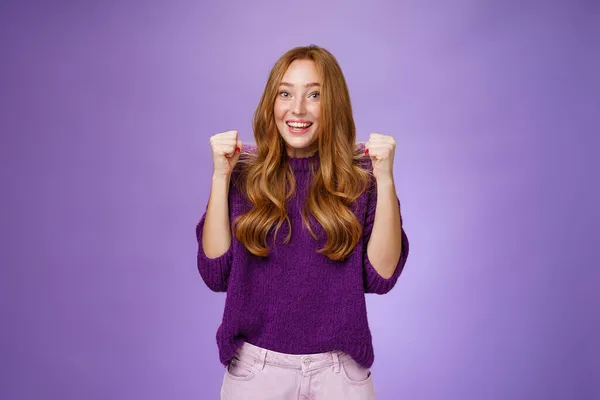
(284, 93)
(315, 95)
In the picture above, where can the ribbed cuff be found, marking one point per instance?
(214, 271)
(375, 283)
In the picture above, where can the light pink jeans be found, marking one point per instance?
(256, 373)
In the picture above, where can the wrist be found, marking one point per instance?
(385, 181)
(220, 181)
(220, 176)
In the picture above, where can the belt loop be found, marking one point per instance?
(336, 362)
(261, 358)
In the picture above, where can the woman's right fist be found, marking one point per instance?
(226, 152)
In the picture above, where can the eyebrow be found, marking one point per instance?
(309, 84)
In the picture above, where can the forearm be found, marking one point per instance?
(216, 234)
(385, 244)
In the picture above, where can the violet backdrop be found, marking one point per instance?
(105, 113)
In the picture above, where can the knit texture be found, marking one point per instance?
(295, 300)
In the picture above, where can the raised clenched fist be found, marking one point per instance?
(226, 149)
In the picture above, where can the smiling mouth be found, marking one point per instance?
(299, 125)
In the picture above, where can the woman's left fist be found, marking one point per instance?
(381, 149)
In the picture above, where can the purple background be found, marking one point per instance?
(106, 110)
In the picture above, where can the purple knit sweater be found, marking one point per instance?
(295, 300)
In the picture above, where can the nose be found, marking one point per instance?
(299, 108)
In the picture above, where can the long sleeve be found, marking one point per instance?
(215, 271)
(375, 283)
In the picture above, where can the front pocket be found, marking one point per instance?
(239, 370)
(355, 374)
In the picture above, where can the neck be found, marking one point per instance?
(302, 153)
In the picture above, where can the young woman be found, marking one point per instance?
(297, 229)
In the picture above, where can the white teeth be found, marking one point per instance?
(300, 125)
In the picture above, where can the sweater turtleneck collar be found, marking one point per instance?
(304, 163)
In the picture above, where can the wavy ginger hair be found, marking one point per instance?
(268, 181)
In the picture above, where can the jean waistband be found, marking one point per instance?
(259, 357)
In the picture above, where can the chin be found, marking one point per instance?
(299, 143)
(302, 141)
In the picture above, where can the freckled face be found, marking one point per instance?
(298, 108)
